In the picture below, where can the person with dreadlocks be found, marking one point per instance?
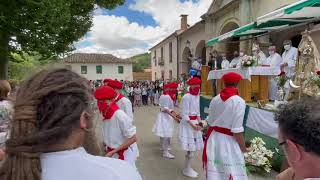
(224, 146)
(164, 124)
(190, 135)
(118, 131)
(51, 120)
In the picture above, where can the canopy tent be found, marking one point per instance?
(303, 11)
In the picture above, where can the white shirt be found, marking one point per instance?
(166, 103)
(77, 164)
(228, 114)
(118, 129)
(189, 106)
(274, 60)
(235, 62)
(290, 57)
(126, 106)
(225, 64)
(144, 91)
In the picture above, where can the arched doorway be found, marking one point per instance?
(186, 60)
(201, 51)
(232, 44)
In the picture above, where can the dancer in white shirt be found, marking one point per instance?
(164, 125)
(223, 152)
(118, 132)
(123, 102)
(190, 135)
(52, 119)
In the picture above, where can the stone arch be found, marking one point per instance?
(232, 44)
(186, 61)
(201, 51)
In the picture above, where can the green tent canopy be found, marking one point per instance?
(304, 11)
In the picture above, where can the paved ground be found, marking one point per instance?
(150, 164)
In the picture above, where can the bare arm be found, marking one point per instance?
(240, 139)
(127, 143)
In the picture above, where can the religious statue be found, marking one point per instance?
(307, 67)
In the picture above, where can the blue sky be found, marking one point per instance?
(137, 25)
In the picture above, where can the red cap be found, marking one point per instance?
(194, 81)
(174, 85)
(231, 77)
(107, 80)
(105, 92)
(115, 84)
(166, 86)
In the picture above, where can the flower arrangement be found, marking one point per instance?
(316, 78)
(248, 61)
(258, 159)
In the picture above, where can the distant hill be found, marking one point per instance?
(141, 62)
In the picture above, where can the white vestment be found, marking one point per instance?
(116, 130)
(189, 139)
(235, 62)
(274, 60)
(261, 57)
(79, 165)
(225, 64)
(290, 57)
(164, 124)
(225, 158)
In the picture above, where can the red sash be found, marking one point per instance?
(120, 153)
(120, 96)
(193, 118)
(221, 130)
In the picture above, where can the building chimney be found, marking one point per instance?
(184, 22)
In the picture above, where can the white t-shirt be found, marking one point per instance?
(118, 129)
(77, 164)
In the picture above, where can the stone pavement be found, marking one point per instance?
(150, 163)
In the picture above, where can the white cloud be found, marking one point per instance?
(116, 35)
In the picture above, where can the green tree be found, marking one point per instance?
(140, 62)
(49, 27)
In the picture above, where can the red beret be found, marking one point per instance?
(194, 81)
(174, 85)
(107, 80)
(105, 92)
(166, 86)
(115, 84)
(231, 77)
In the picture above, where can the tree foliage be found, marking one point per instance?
(141, 62)
(49, 27)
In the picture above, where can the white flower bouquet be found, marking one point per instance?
(258, 159)
(248, 61)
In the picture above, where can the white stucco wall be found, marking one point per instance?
(168, 66)
(108, 71)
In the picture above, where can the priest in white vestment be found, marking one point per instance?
(274, 60)
(261, 57)
(223, 157)
(289, 58)
(225, 62)
(236, 61)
